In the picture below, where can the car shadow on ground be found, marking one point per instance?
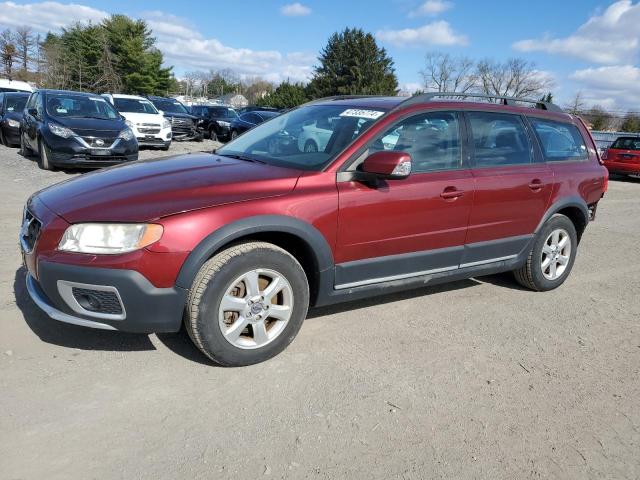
(71, 336)
(624, 178)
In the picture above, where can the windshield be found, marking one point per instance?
(15, 103)
(132, 105)
(307, 138)
(170, 106)
(627, 143)
(80, 106)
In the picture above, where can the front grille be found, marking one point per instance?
(149, 131)
(98, 301)
(99, 142)
(107, 158)
(155, 125)
(181, 122)
(30, 231)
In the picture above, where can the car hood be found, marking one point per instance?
(14, 115)
(143, 117)
(150, 189)
(180, 115)
(90, 124)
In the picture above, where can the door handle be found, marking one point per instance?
(451, 193)
(536, 184)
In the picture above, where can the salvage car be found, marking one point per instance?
(11, 110)
(238, 244)
(149, 125)
(184, 126)
(623, 157)
(215, 120)
(75, 130)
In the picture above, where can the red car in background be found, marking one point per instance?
(623, 156)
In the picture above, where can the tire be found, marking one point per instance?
(234, 135)
(2, 140)
(43, 156)
(24, 150)
(165, 148)
(228, 275)
(213, 135)
(310, 146)
(550, 261)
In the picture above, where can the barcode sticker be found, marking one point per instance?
(361, 113)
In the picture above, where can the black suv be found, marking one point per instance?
(184, 126)
(74, 129)
(215, 120)
(11, 106)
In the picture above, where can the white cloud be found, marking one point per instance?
(45, 16)
(431, 8)
(434, 33)
(610, 38)
(615, 87)
(295, 10)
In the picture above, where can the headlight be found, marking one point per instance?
(166, 123)
(223, 123)
(109, 239)
(126, 134)
(13, 123)
(61, 131)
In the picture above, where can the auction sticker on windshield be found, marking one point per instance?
(361, 113)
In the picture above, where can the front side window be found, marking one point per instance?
(499, 139)
(560, 141)
(432, 140)
(306, 138)
(132, 105)
(80, 106)
(223, 112)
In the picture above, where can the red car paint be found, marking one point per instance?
(195, 195)
(621, 161)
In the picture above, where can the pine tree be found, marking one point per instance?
(286, 95)
(353, 64)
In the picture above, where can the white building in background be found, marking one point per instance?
(236, 100)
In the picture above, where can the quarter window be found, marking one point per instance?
(499, 139)
(559, 141)
(432, 140)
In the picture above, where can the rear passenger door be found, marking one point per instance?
(512, 187)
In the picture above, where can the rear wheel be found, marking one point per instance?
(43, 156)
(247, 304)
(552, 255)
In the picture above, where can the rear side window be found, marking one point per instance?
(432, 140)
(560, 141)
(499, 139)
(627, 143)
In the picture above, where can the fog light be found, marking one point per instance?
(89, 302)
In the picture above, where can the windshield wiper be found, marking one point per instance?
(241, 157)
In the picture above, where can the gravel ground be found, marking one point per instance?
(476, 379)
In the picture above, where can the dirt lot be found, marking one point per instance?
(477, 379)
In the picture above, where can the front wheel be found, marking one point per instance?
(213, 135)
(552, 255)
(43, 157)
(247, 303)
(234, 134)
(24, 150)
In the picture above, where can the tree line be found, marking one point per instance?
(116, 55)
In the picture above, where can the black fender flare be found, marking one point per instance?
(323, 257)
(573, 201)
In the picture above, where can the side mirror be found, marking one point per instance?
(33, 112)
(161, 112)
(391, 165)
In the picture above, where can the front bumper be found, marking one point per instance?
(146, 309)
(11, 134)
(70, 152)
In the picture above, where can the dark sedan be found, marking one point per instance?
(248, 120)
(11, 107)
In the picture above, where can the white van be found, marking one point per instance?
(149, 125)
(7, 85)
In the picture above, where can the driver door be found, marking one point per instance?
(410, 227)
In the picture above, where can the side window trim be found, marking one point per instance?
(533, 151)
(462, 141)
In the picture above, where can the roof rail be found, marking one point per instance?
(457, 96)
(338, 97)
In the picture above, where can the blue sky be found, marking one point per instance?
(582, 45)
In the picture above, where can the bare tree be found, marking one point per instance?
(256, 88)
(514, 78)
(25, 43)
(7, 51)
(577, 104)
(191, 80)
(444, 73)
(108, 79)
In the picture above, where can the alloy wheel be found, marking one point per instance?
(255, 308)
(556, 253)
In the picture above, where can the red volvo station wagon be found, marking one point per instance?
(340, 199)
